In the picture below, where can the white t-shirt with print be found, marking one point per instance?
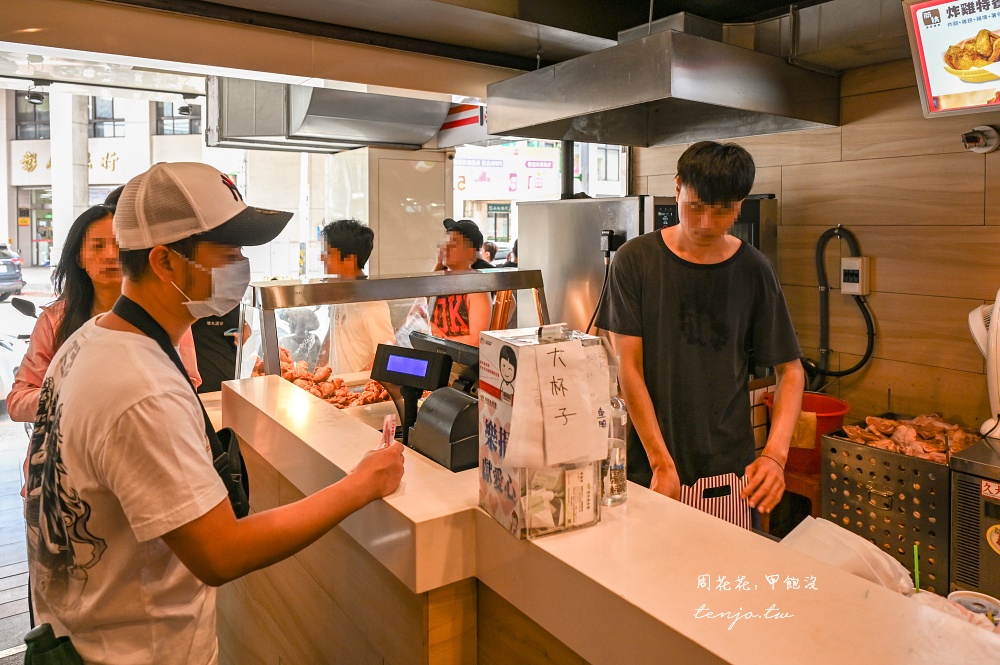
(120, 460)
(356, 330)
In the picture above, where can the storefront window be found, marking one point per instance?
(32, 120)
(498, 222)
(491, 181)
(104, 123)
(607, 162)
(170, 121)
(34, 239)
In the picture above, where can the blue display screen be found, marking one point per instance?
(404, 365)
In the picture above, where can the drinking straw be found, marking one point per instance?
(916, 565)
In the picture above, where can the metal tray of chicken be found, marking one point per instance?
(893, 499)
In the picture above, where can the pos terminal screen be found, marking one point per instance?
(404, 365)
(413, 368)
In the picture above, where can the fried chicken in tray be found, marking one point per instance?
(979, 52)
(927, 436)
(323, 384)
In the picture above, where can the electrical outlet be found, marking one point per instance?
(854, 275)
(611, 241)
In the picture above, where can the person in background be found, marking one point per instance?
(489, 252)
(85, 286)
(215, 350)
(683, 306)
(112, 199)
(356, 329)
(461, 317)
(511, 261)
(129, 525)
(301, 342)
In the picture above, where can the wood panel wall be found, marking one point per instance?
(924, 210)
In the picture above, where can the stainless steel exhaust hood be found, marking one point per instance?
(667, 88)
(260, 114)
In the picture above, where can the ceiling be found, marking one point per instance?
(517, 34)
(520, 34)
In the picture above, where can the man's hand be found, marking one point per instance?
(666, 482)
(381, 470)
(765, 484)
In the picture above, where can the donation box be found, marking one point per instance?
(543, 428)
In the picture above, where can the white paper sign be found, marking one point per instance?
(570, 403)
(526, 449)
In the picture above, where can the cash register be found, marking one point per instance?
(445, 426)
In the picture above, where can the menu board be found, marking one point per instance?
(956, 51)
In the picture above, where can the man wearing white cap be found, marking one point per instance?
(129, 524)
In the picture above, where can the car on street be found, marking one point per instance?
(503, 249)
(11, 280)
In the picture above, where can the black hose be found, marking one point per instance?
(818, 371)
(604, 286)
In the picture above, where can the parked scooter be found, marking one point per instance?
(25, 307)
(12, 350)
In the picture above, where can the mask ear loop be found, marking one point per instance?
(187, 276)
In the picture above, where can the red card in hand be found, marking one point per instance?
(388, 431)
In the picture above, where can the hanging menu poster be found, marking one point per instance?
(956, 50)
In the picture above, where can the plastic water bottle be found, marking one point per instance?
(613, 483)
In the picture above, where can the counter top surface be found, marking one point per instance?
(642, 570)
(424, 532)
(652, 555)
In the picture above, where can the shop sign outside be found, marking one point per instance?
(112, 162)
(502, 176)
(516, 173)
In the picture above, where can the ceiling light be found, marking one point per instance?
(184, 110)
(34, 97)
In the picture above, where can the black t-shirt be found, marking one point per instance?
(481, 264)
(216, 353)
(698, 323)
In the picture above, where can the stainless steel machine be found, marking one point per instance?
(563, 239)
(975, 523)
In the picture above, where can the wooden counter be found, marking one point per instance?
(423, 576)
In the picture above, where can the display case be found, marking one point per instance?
(322, 334)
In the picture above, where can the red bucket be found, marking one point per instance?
(830, 412)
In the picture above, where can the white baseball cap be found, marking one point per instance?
(176, 200)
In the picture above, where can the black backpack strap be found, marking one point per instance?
(226, 458)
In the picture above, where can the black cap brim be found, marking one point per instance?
(476, 240)
(252, 227)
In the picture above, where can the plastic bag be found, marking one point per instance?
(839, 547)
(954, 609)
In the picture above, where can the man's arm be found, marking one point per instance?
(218, 548)
(766, 475)
(640, 409)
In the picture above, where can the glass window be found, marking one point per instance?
(607, 162)
(169, 121)
(31, 120)
(104, 123)
(498, 222)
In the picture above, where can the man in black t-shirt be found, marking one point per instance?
(216, 351)
(685, 305)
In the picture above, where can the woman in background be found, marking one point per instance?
(489, 251)
(88, 281)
